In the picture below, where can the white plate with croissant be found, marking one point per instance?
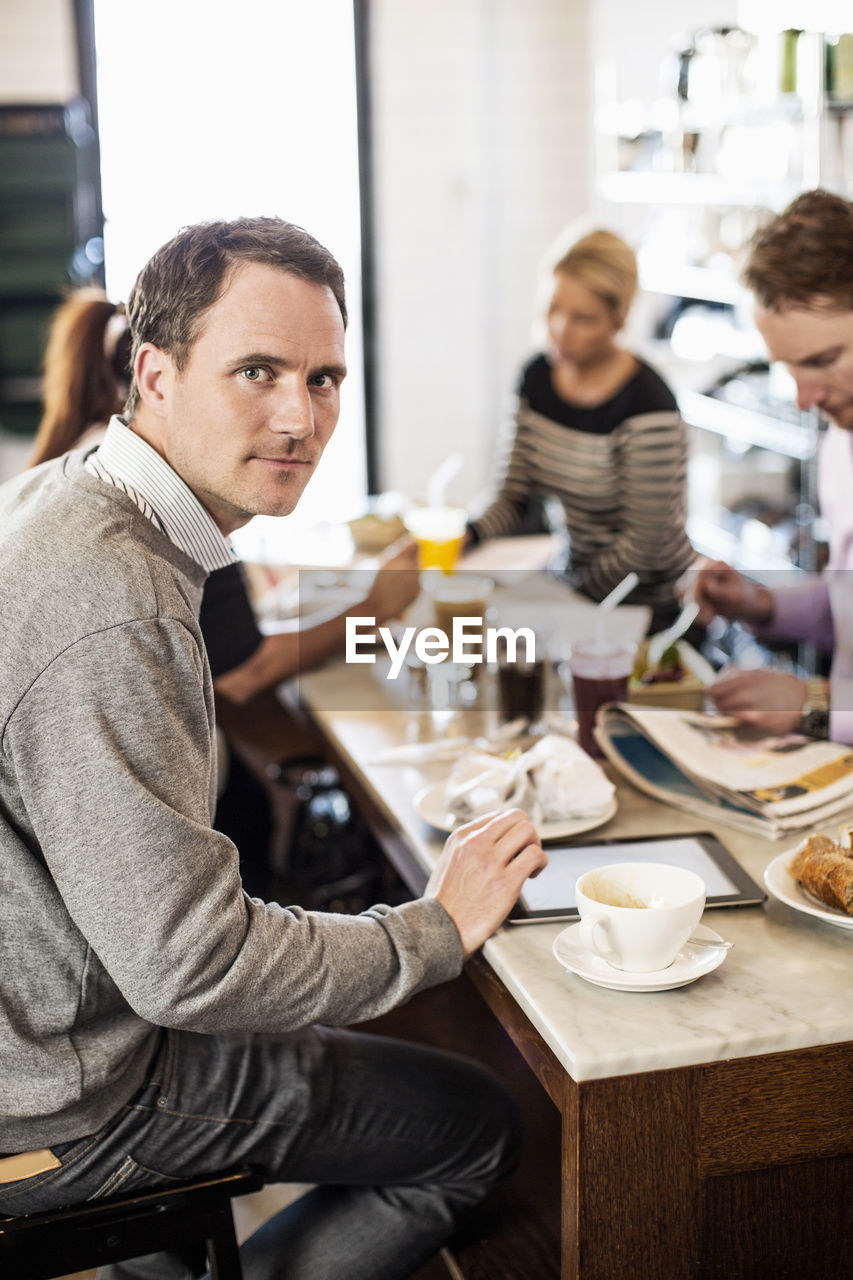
(816, 869)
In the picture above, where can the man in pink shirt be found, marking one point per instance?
(800, 270)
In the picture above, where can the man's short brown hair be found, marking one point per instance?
(185, 278)
(804, 256)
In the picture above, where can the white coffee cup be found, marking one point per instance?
(638, 915)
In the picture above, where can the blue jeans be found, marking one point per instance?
(399, 1138)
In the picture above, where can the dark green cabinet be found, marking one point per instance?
(51, 239)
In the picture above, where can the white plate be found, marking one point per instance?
(784, 887)
(690, 963)
(429, 805)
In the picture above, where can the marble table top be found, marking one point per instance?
(785, 984)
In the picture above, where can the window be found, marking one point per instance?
(215, 110)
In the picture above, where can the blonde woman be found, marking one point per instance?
(597, 428)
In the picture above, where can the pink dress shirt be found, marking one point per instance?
(819, 609)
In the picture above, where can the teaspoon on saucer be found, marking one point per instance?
(719, 943)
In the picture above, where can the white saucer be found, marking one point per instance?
(429, 805)
(784, 887)
(690, 963)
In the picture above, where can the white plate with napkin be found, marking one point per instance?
(559, 785)
(430, 805)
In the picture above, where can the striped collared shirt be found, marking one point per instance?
(126, 461)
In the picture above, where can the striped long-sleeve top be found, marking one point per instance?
(619, 470)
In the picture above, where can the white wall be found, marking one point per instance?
(38, 62)
(482, 118)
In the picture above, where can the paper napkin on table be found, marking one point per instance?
(449, 748)
(423, 752)
(554, 781)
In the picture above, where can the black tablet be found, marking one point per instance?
(551, 894)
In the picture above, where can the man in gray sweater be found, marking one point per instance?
(155, 1022)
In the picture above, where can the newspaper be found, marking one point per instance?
(735, 774)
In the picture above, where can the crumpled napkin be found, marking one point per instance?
(554, 781)
(480, 783)
(568, 783)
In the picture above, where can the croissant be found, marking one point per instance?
(825, 870)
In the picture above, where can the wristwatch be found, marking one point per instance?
(814, 718)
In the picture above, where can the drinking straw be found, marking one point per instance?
(441, 477)
(616, 596)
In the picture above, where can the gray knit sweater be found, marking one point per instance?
(121, 910)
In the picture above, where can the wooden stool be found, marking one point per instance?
(198, 1211)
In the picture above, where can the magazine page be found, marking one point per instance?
(650, 770)
(808, 819)
(770, 774)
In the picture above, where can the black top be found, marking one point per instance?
(644, 392)
(619, 472)
(226, 619)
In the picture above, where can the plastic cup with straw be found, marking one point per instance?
(609, 603)
(439, 530)
(600, 667)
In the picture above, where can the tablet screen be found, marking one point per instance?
(551, 895)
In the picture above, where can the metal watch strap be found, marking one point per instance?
(814, 721)
(815, 724)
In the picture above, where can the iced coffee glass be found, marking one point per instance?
(464, 595)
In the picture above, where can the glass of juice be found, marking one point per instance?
(600, 671)
(439, 533)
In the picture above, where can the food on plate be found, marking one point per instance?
(372, 533)
(677, 680)
(554, 781)
(669, 666)
(825, 870)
